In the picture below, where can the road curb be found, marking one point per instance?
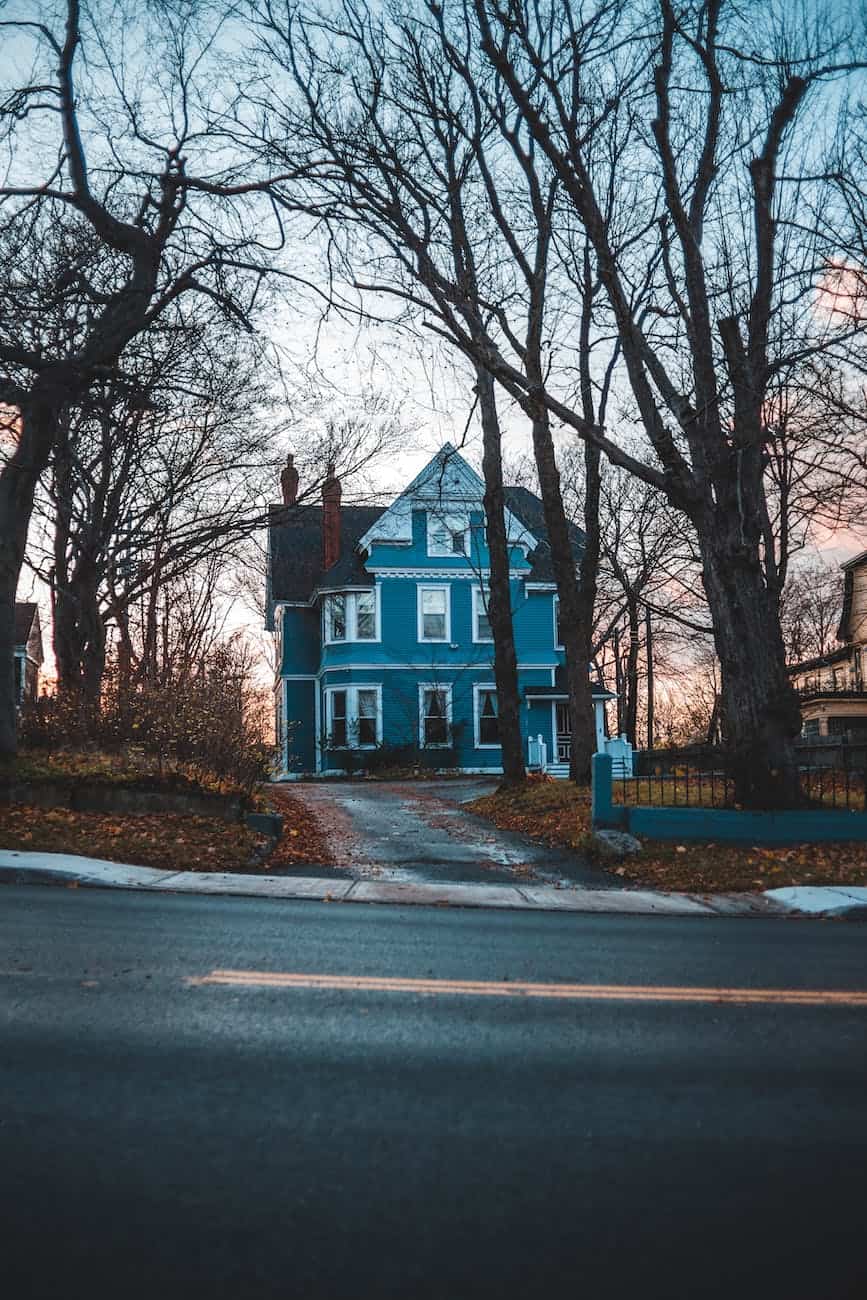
(63, 869)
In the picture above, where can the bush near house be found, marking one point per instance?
(558, 813)
(196, 730)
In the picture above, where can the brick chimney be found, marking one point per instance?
(330, 519)
(289, 482)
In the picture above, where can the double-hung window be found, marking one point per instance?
(434, 614)
(352, 616)
(481, 621)
(353, 717)
(435, 715)
(558, 626)
(486, 717)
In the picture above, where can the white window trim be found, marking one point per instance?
(479, 607)
(350, 597)
(555, 605)
(433, 640)
(351, 691)
(446, 689)
(477, 690)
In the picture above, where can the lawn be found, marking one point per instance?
(558, 814)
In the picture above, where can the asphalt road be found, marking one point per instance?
(162, 1137)
(422, 832)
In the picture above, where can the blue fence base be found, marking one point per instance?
(719, 824)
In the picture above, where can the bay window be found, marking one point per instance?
(351, 616)
(353, 717)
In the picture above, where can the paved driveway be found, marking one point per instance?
(422, 831)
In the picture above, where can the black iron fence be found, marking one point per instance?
(832, 777)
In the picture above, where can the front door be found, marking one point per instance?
(564, 733)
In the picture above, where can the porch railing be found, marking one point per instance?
(537, 757)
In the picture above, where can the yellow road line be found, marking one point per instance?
(522, 989)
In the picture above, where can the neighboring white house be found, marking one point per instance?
(833, 687)
(29, 656)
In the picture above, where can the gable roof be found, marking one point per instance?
(25, 612)
(446, 483)
(295, 568)
(844, 631)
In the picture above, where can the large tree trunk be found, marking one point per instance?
(631, 728)
(651, 685)
(499, 597)
(576, 634)
(18, 481)
(759, 707)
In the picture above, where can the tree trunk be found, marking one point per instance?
(499, 596)
(618, 681)
(648, 654)
(573, 623)
(18, 481)
(631, 728)
(760, 711)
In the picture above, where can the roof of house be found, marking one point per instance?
(295, 551)
(295, 568)
(527, 507)
(25, 612)
(821, 661)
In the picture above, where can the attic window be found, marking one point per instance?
(446, 535)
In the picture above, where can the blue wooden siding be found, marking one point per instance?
(300, 700)
(301, 648)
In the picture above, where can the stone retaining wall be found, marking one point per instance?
(101, 797)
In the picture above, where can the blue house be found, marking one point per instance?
(384, 649)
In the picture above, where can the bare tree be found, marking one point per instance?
(702, 232)
(145, 176)
(811, 606)
(429, 199)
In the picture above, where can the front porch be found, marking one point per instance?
(549, 744)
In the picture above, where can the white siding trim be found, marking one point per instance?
(470, 573)
(479, 665)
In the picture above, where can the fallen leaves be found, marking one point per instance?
(167, 840)
(559, 815)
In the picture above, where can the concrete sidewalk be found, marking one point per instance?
(60, 868)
